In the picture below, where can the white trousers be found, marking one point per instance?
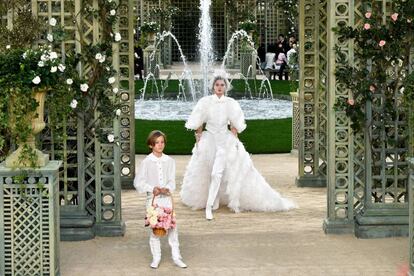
(218, 170)
(154, 241)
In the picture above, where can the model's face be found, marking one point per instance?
(219, 88)
(159, 145)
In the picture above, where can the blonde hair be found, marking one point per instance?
(154, 136)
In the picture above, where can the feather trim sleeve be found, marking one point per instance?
(237, 116)
(198, 115)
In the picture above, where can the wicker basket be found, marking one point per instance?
(161, 232)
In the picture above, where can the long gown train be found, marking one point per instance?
(242, 188)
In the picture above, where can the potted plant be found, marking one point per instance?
(26, 75)
(150, 28)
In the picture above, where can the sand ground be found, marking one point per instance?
(284, 243)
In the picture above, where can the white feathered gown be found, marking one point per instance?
(242, 187)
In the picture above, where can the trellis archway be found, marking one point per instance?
(93, 171)
(360, 198)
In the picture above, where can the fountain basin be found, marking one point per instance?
(180, 110)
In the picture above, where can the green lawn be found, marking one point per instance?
(261, 136)
(280, 87)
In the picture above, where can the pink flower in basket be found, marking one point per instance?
(160, 217)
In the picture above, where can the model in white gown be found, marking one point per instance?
(220, 171)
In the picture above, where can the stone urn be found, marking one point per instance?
(18, 159)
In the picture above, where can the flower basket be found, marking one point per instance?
(160, 218)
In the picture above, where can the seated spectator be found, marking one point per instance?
(281, 62)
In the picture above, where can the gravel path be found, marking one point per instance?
(286, 243)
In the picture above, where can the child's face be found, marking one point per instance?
(159, 145)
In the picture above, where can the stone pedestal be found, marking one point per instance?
(29, 220)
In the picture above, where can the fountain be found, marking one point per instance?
(179, 108)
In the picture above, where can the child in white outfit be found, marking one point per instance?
(156, 177)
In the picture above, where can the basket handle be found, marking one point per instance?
(172, 200)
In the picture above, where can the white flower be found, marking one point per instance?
(135, 31)
(53, 55)
(108, 69)
(44, 57)
(84, 87)
(111, 80)
(61, 67)
(74, 103)
(112, 12)
(52, 22)
(8, 46)
(115, 90)
(36, 80)
(402, 90)
(69, 81)
(118, 37)
(41, 63)
(53, 69)
(110, 138)
(102, 59)
(109, 1)
(118, 112)
(98, 56)
(50, 37)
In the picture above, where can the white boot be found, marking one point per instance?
(176, 256)
(155, 246)
(209, 213)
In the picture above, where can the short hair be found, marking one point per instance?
(154, 136)
(220, 75)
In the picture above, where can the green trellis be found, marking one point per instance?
(92, 172)
(367, 181)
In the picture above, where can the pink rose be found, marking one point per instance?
(394, 17)
(367, 26)
(381, 43)
(368, 14)
(351, 102)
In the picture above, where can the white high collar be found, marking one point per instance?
(152, 157)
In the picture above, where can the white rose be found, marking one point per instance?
(108, 69)
(109, 1)
(53, 69)
(112, 12)
(69, 81)
(24, 55)
(74, 103)
(98, 56)
(36, 80)
(118, 37)
(115, 90)
(41, 63)
(50, 37)
(84, 87)
(118, 112)
(8, 46)
(44, 57)
(111, 80)
(102, 59)
(52, 22)
(53, 55)
(61, 67)
(110, 138)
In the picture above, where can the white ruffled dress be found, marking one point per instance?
(242, 187)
